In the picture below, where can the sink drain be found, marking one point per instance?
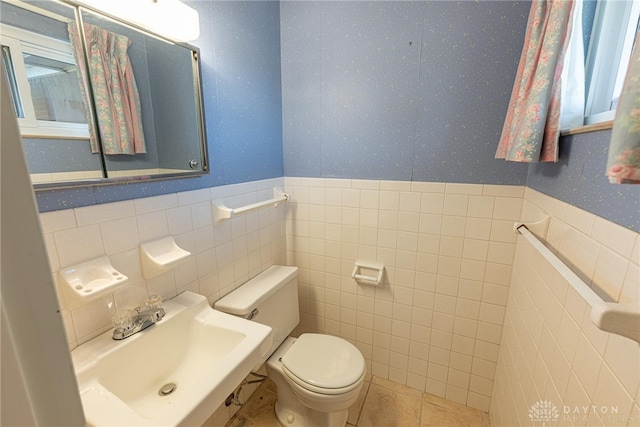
(167, 389)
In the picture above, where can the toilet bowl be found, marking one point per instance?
(318, 377)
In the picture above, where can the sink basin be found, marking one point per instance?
(174, 373)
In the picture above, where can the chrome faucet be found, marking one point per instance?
(128, 322)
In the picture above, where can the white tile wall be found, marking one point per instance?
(550, 351)
(223, 257)
(436, 323)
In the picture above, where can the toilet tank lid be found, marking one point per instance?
(251, 294)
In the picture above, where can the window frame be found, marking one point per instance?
(20, 41)
(601, 78)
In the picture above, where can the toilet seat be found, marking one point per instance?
(324, 364)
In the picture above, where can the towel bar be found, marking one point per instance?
(616, 318)
(221, 213)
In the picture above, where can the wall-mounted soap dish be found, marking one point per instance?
(160, 256)
(92, 279)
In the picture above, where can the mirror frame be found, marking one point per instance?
(198, 94)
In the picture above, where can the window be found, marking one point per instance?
(43, 81)
(612, 37)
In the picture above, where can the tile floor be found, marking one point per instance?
(382, 403)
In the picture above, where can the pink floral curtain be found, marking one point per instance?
(114, 89)
(532, 124)
(623, 166)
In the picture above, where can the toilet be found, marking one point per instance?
(318, 377)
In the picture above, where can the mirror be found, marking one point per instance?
(100, 102)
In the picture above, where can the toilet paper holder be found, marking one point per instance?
(374, 270)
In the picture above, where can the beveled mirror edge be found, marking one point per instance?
(197, 76)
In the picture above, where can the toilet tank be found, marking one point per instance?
(270, 298)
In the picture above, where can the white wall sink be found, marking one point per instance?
(204, 352)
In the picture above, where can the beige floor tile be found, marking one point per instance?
(382, 403)
(258, 411)
(441, 412)
(397, 387)
(486, 422)
(269, 385)
(384, 407)
(448, 404)
(439, 401)
(356, 409)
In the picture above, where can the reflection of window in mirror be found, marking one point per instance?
(610, 41)
(43, 80)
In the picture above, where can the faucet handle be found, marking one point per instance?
(154, 302)
(122, 319)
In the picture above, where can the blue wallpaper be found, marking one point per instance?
(244, 120)
(19, 17)
(71, 155)
(240, 59)
(399, 90)
(579, 179)
(371, 90)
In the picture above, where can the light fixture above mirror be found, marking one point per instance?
(169, 18)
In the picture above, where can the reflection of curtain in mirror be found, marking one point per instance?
(623, 166)
(532, 124)
(114, 89)
(83, 78)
